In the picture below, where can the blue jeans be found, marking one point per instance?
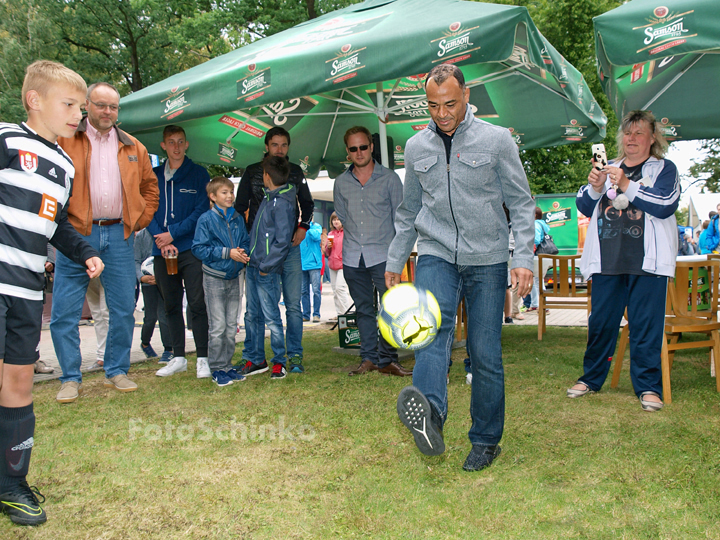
(118, 280)
(535, 293)
(644, 297)
(222, 298)
(311, 278)
(484, 290)
(360, 282)
(267, 289)
(254, 350)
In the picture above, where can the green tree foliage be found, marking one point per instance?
(709, 168)
(26, 35)
(134, 43)
(681, 215)
(567, 25)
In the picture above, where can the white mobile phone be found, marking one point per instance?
(598, 152)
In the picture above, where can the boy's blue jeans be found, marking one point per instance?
(311, 278)
(222, 298)
(266, 292)
(254, 350)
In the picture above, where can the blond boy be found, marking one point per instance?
(35, 184)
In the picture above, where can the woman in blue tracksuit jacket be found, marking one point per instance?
(630, 254)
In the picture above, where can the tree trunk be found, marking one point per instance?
(312, 14)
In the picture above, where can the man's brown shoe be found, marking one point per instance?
(121, 383)
(69, 392)
(393, 368)
(364, 367)
(42, 367)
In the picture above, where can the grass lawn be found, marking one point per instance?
(323, 455)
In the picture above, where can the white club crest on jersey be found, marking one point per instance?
(28, 161)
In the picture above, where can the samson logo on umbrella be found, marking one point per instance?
(455, 44)
(175, 103)
(253, 85)
(345, 64)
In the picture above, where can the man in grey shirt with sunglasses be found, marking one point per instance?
(366, 197)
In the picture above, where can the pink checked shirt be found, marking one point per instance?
(105, 182)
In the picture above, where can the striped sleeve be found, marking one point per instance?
(661, 199)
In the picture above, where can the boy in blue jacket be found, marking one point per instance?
(221, 243)
(270, 241)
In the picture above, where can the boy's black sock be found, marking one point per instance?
(17, 428)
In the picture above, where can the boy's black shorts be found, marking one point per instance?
(20, 326)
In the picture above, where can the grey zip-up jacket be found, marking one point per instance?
(455, 210)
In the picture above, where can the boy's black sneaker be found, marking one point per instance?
(252, 369)
(22, 504)
(278, 372)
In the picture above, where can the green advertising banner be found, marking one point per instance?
(561, 215)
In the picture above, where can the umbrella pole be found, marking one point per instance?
(382, 129)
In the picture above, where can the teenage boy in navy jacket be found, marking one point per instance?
(183, 200)
(221, 242)
(270, 242)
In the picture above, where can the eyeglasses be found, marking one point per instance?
(353, 149)
(103, 106)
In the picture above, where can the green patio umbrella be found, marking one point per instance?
(365, 64)
(663, 57)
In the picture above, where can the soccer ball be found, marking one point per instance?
(148, 267)
(409, 317)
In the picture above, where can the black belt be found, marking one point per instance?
(105, 222)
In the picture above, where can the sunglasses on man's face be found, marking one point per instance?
(353, 149)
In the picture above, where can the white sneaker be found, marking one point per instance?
(203, 369)
(176, 365)
(468, 378)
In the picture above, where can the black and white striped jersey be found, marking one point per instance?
(35, 185)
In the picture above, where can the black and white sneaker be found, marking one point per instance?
(278, 372)
(22, 504)
(420, 418)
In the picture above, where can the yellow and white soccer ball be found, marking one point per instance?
(409, 317)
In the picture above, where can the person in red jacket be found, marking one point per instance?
(333, 251)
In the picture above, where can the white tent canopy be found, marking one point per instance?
(700, 206)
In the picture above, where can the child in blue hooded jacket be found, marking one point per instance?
(221, 243)
(270, 241)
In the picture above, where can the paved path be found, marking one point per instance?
(88, 342)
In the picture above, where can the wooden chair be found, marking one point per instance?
(691, 307)
(564, 292)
